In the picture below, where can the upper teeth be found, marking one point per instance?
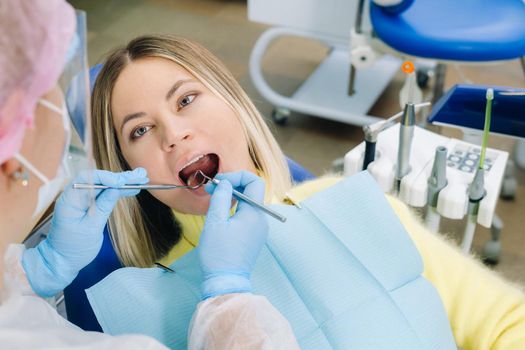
(196, 159)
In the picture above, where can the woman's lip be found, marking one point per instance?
(188, 159)
(192, 161)
(199, 191)
(184, 160)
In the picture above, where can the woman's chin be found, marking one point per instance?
(198, 205)
(201, 208)
(200, 192)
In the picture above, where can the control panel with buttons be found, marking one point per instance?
(462, 162)
(466, 158)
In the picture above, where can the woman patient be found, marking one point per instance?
(166, 104)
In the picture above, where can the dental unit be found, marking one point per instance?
(442, 175)
(406, 134)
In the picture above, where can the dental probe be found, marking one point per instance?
(476, 190)
(82, 186)
(242, 196)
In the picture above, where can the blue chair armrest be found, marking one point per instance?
(78, 308)
(298, 173)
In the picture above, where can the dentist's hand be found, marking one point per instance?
(76, 233)
(229, 246)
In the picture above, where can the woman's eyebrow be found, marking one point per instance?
(177, 85)
(131, 117)
(170, 93)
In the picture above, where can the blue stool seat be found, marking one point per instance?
(454, 30)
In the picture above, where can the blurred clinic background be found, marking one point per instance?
(231, 29)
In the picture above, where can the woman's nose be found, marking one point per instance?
(174, 136)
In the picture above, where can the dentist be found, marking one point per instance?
(35, 136)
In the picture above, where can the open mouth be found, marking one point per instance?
(208, 164)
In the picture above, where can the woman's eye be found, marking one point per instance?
(141, 130)
(186, 100)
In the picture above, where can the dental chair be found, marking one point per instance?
(78, 308)
(465, 32)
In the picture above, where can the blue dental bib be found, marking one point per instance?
(342, 270)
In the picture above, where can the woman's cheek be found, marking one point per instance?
(141, 157)
(136, 161)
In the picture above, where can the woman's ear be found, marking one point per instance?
(9, 167)
(12, 171)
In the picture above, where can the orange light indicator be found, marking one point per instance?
(407, 67)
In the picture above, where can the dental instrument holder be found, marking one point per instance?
(476, 192)
(461, 163)
(436, 182)
(438, 177)
(370, 152)
(406, 134)
(371, 132)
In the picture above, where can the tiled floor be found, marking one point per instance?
(223, 27)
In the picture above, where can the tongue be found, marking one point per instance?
(196, 179)
(209, 165)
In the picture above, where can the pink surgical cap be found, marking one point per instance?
(34, 38)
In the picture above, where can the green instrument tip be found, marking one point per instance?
(486, 129)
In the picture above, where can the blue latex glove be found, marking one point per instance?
(229, 246)
(76, 233)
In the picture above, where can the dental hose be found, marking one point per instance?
(476, 191)
(370, 153)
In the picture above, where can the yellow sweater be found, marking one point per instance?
(485, 312)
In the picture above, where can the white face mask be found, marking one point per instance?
(51, 188)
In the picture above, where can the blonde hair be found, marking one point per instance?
(142, 227)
